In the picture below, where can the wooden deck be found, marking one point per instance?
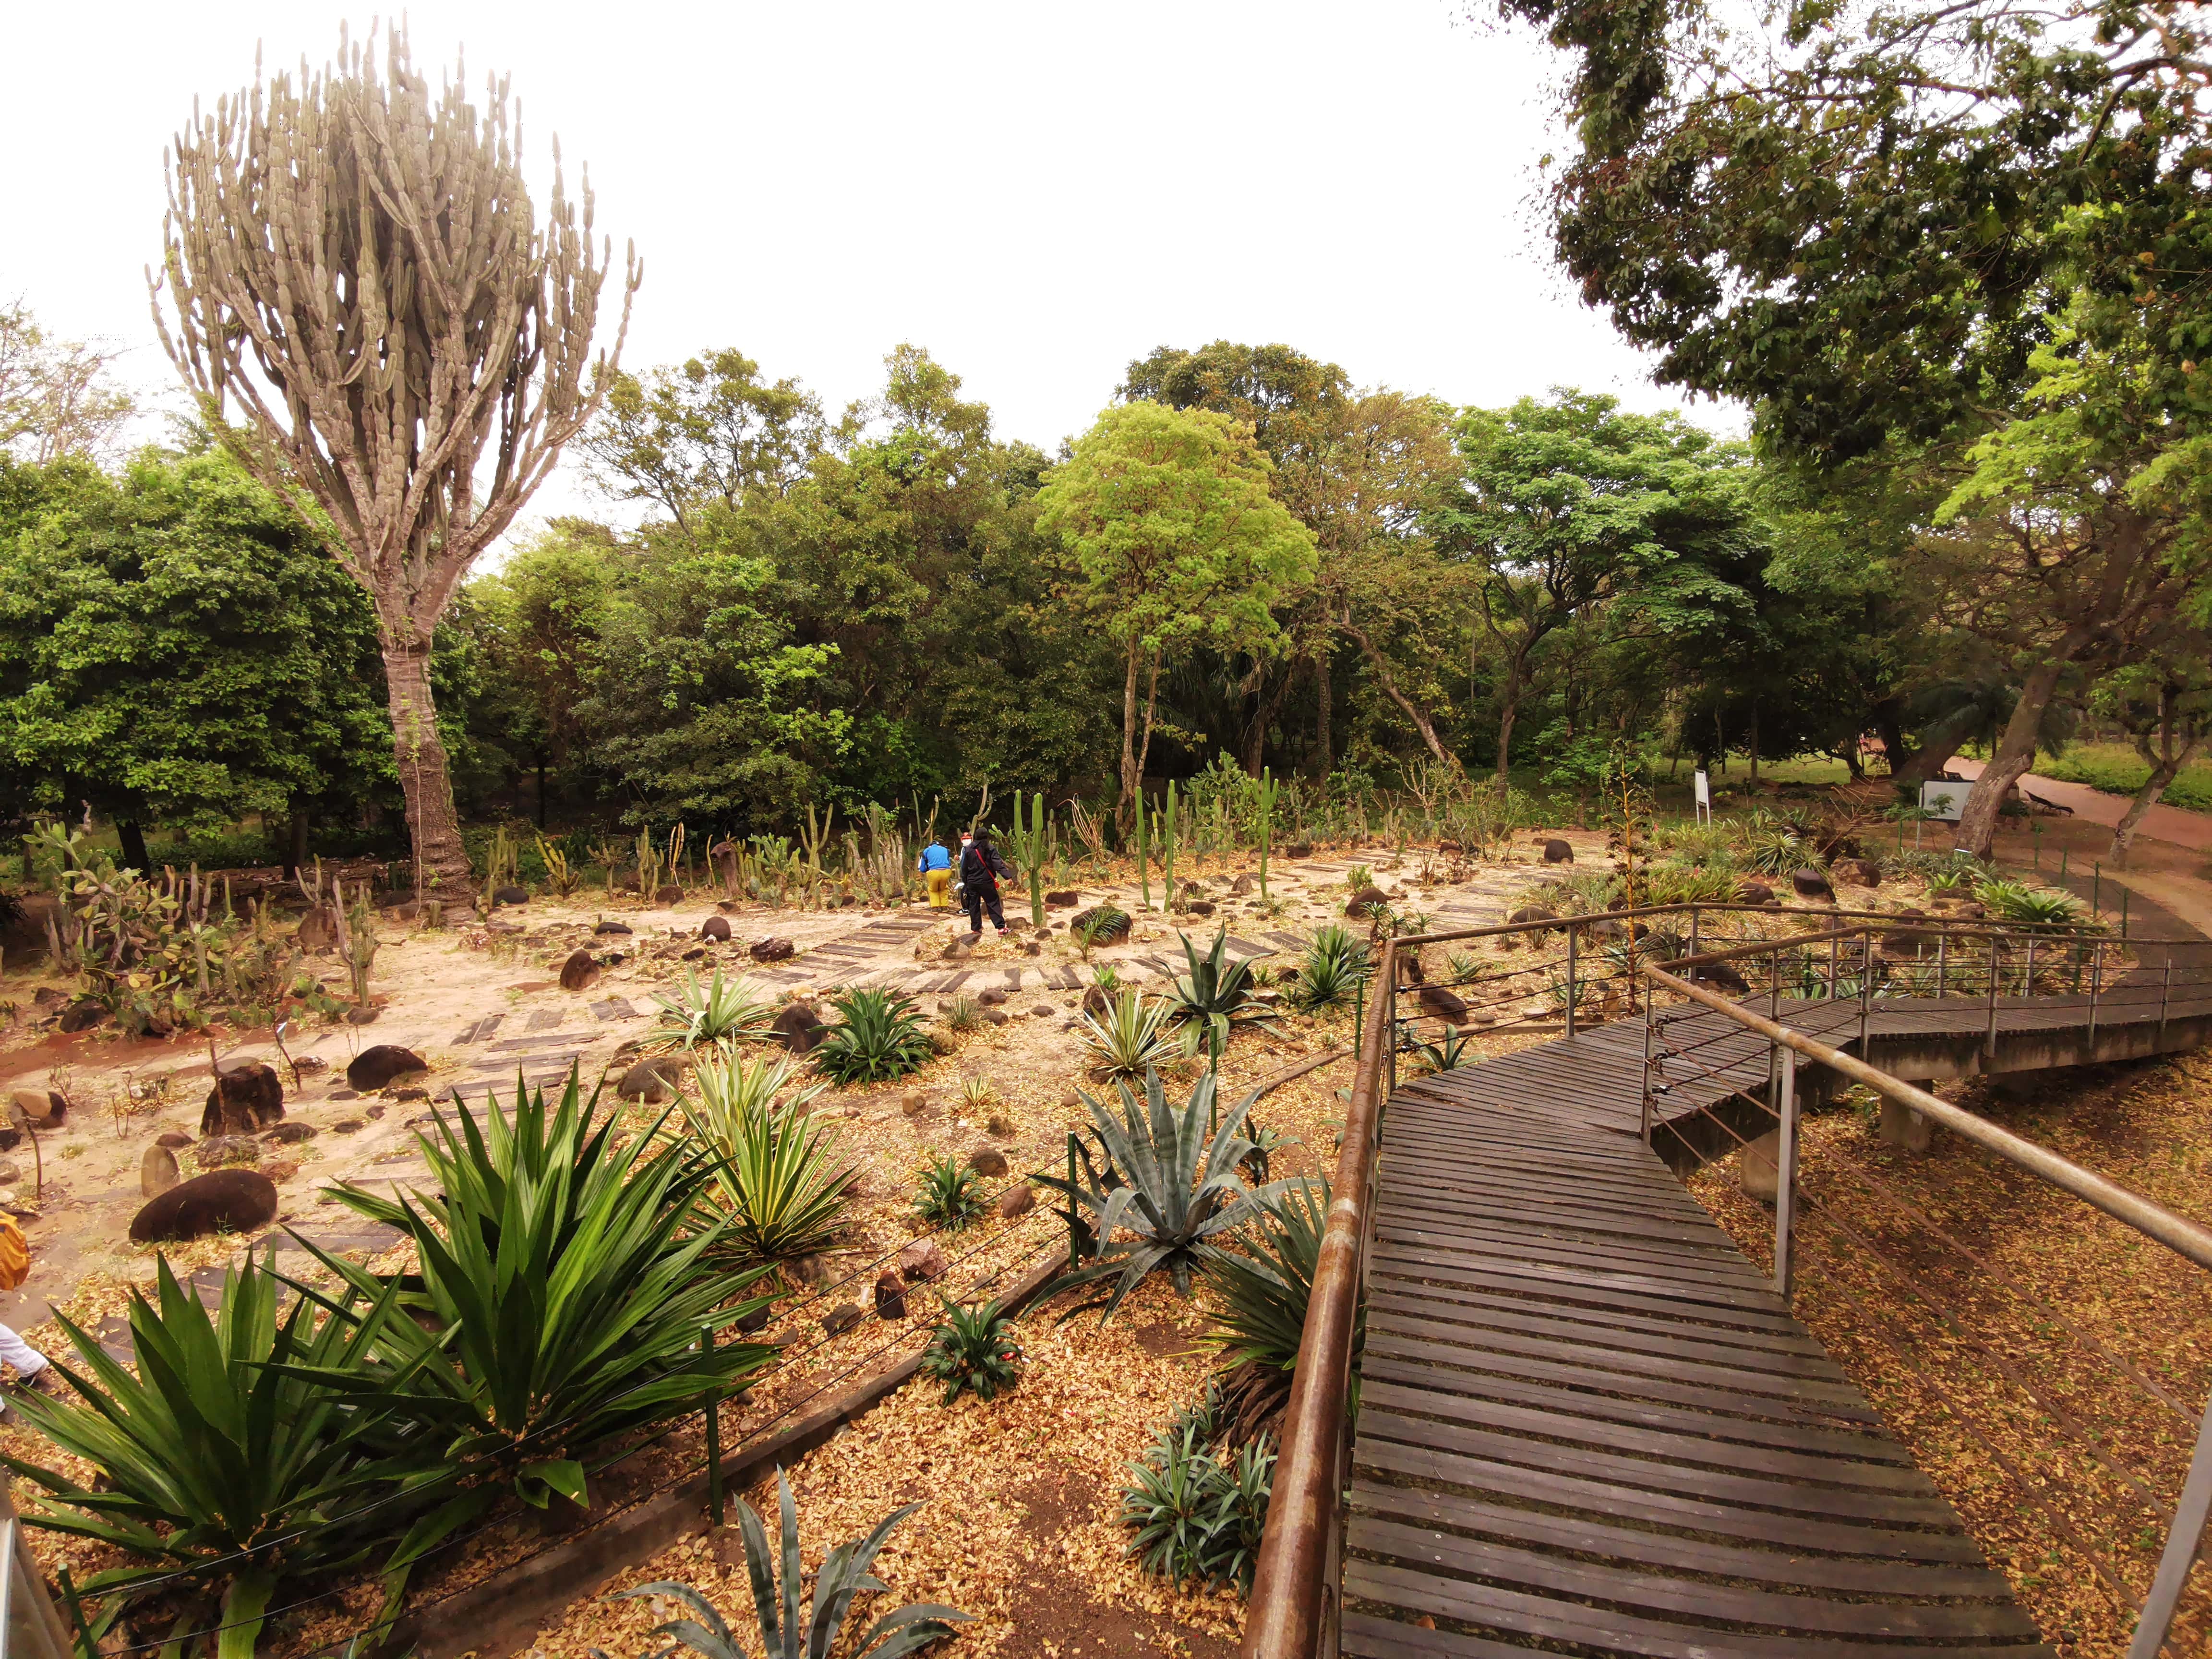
(1586, 1424)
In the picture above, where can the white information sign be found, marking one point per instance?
(1703, 786)
(1945, 798)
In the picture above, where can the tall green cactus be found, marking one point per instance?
(1265, 795)
(1030, 846)
(1168, 836)
(1143, 869)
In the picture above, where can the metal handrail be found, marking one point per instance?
(2188, 1239)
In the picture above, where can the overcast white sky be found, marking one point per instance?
(1036, 192)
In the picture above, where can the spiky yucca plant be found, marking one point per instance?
(880, 1035)
(1172, 1184)
(1259, 1293)
(721, 1013)
(778, 1184)
(973, 1350)
(1334, 967)
(1131, 1038)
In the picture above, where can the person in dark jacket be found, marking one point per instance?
(980, 867)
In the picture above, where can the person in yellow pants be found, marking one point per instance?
(936, 866)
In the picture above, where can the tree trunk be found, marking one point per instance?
(1421, 721)
(1755, 742)
(1323, 694)
(1928, 761)
(1132, 781)
(2016, 753)
(2166, 764)
(541, 792)
(441, 863)
(1891, 730)
(1506, 716)
(1263, 719)
(133, 840)
(295, 850)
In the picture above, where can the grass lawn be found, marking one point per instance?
(2115, 768)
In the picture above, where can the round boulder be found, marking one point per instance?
(1367, 901)
(234, 1200)
(668, 893)
(1064, 900)
(373, 1068)
(987, 1161)
(798, 1026)
(922, 1262)
(580, 972)
(773, 949)
(651, 1082)
(42, 1109)
(1017, 1201)
(1528, 913)
(1557, 852)
(714, 927)
(1753, 892)
(1809, 883)
(890, 1295)
(510, 896)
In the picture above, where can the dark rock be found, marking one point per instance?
(376, 1113)
(373, 1068)
(362, 1015)
(1808, 882)
(349, 1125)
(1096, 1001)
(800, 1026)
(987, 1161)
(811, 1271)
(696, 953)
(403, 1091)
(217, 1150)
(1753, 892)
(620, 927)
(890, 1295)
(1367, 901)
(510, 896)
(310, 1065)
(290, 1134)
(1721, 976)
(238, 1200)
(1857, 873)
(714, 927)
(82, 1015)
(922, 1262)
(1113, 935)
(282, 1172)
(172, 1140)
(42, 1109)
(1002, 1126)
(651, 1082)
(990, 997)
(1241, 886)
(1034, 949)
(958, 948)
(157, 1171)
(1060, 901)
(1199, 907)
(1442, 1004)
(246, 1099)
(1557, 852)
(841, 1319)
(580, 972)
(1017, 1201)
(756, 1321)
(995, 1016)
(1528, 913)
(773, 949)
(1298, 849)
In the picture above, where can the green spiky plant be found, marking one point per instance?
(1446, 1054)
(973, 1350)
(721, 1013)
(1031, 847)
(1131, 1037)
(1175, 1189)
(785, 1632)
(565, 1275)
(2017, 902)
(230, 1442)
(1216, 995)
(1336, 965)
(1193, 1515)
(778, 1182)
(880, 1037)
(949, 1193)
(961, 1013)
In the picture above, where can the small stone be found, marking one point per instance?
(81, 1015)
(755, 1321)
(1199, 907)
(1061, 901)
(311, 1065)
(1557, 852)
(217, 1150)
(812, 1270)
(510, 896)
(613, 927)
(958, 948)
(580, 972)
(987, 1161)
(348, 1126)
(995, 1016)
(1043, 1010)
(841, 1319)
(696, 953)
(172, 1140)
(362, 1015)
(890, 1295)
(282, 1172)
(1753, 892)
(1808, 882)
(1528, 913)
(991, 997)
(1017, 1201)
(922, 1262)
(714, 927)
(913, 1103)
(402, 1091)
(1002, 1126)
(42, 1109)
(157, 1171)
(377, 1112)
(1241, 886)
(290, 1134)
(373, 1068)
(1298, 849)
(773, 949)
(1367, 901)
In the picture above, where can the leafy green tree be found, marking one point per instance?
(1174, 539)
(176, 646)
(708, 430)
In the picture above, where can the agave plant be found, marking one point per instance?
(1334, 967)
(973, 1350)
(961, 1013)
(1216, 996)
(785, 1632)
(1195, 1516)
(1174, 1186)
(722, 1012)
(1131, 1036)
(778, 1184)
(226, 1440)
(880, 1035)
(565, 1277)
(2015, 901)
(1258, 1293)
(949, 1193)
(1446, 1054)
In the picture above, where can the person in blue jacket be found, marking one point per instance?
(936, 867)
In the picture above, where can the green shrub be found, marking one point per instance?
(2015, 901)
(880, 1037)
(785, 1631)
(1333, 968)
(1195, 1516)
(961, 1013)
(949, 1193)
(974, 1349)
(777, 1185)
(2117, 769)
(719, 1012)
(1131, 1037)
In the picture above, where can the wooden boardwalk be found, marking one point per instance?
(1588, 1425)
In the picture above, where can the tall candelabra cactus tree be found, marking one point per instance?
(353, 264)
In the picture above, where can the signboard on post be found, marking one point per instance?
(1703, 786)
(1945, 799)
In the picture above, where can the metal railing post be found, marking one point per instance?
(1785, 1175)
(1866, 993)
(2183, 1540)
(2165, 995)
(1989, 1034)
(1942, 961)
(2028, 979)
(2096, 983)
(1573, 996)
(1693, 930)
(1835, 957)
(1650, 1016)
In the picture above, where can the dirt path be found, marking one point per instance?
(2169, 823)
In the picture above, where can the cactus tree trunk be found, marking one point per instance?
(442, 864)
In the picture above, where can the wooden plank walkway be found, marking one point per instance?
(1586, 1424)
